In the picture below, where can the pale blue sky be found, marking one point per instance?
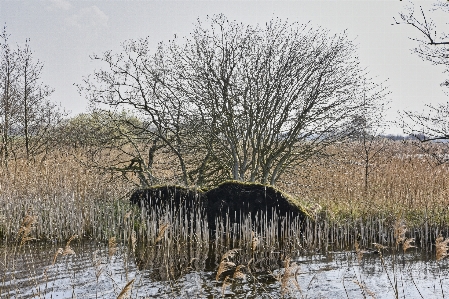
(64, 33)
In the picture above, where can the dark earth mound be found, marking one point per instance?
(229, 200)
(174, 196)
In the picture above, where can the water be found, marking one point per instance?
(29, 272)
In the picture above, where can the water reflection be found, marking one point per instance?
(190, 272)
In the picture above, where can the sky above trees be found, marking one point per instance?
(64, 33)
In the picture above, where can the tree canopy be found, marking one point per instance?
(235, 101)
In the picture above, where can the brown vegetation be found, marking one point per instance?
(59, 198)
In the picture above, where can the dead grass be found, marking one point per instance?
(59, 198)
(442, 247)
(403, 182)
(124, 293)
(407, 200)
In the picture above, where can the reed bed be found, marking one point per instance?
(66, 198)
(403, 183)
(405, 205)
(63, 198)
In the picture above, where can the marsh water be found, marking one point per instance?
(32, 271)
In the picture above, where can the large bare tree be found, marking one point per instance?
(234, 101)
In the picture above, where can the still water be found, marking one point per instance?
(93, 272)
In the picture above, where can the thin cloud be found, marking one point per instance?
(58, 5)
(88, 17)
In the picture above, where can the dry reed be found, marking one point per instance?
(226, 283)
(239, 274)
(358, 251)
(66, 198)
(162, 229)
(70, 199)
(96, 262)
(124, 293)
(442, 247)
(290, 275)
(112, 246)
(225, 265)
(133, 241)
(399, 232)
(67, 249)
(404, 183)
(407, 244)
(26, 227)
(254, 241)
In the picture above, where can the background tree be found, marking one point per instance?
(9, 108)
(432, 124)
(37, 113)
(112, 141)
(248, 102)
(367, 129)
(27, 115)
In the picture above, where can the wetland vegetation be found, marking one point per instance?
(73, 231)
(180, 181)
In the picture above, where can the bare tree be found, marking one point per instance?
(367, 129)
(27, 115)
(9, 89)
(133, 81)
(433, 45)
(37, 114)
(249, 102)
(431, 125)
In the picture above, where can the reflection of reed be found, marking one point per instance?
(173, 240)
(171, 248)
(171, 262)
(178, 220)
(264, 231)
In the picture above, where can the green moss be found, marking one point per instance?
(153, 187)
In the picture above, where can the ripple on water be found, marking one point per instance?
(30, 273)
